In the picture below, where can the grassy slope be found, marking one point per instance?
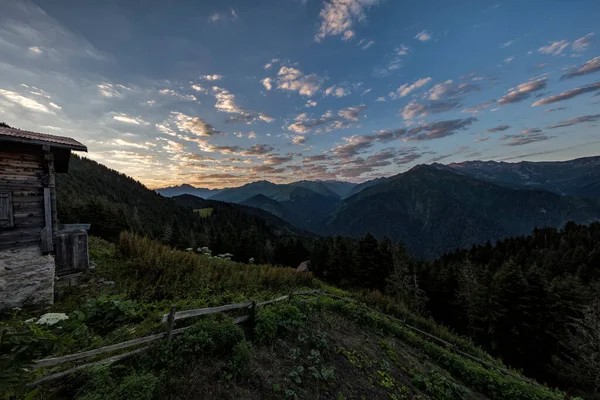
(319, 348)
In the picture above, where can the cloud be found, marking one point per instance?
(258, 150)
(588, 67)
(274, 160)
(194, 125)
(498, 128)
(336, 91)
(292, 79)
(414, 109)
(35, 50)
(483, 139)
(423, 36)
(523, 91)
(310, 103)
(478, 107)
(121, 117)
(315, 158)
(121, 142)
(25, 102)
(382, 98)
(110, 90)
(555, 109)
(554, 48)
(213, 77)
(270, 63)
(200, 89)
(520, 140)
(509, 59)
(406, 89)
(173, 93)
(252, 135)
(267, 83)
(583, 43)
(437, 130)
(338, 17)
(365, 92)
(530, 131)
(506, 44)
(576, 120)
(352, 113)
(450, 89)
(364, 44)
(226, 101)
(304, 125)
(299, 139)
(568, 94)
(173, 147)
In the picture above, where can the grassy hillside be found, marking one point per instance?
(308, 347)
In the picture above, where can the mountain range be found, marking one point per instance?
(433, 208)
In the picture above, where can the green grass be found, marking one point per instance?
(204, 212)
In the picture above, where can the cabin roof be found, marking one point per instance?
(20, 136)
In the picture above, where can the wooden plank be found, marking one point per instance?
(29, 192)
(264, 303)
(20, 184)
(47, 244)
(48, 362)
(19, 233)
(29, 222)
(206, 311)
(308, 291)
(32, 213)
(109, 360)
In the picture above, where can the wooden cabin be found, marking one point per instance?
(28, 217)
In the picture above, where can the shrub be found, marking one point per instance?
(20, 344)
(99, 383)
(241, 359)
(209, 337)
(439, 386)
(278, 319)
(105, 313)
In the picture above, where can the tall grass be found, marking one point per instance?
(157, 272)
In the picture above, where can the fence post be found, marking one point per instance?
(170, 322)
(252, 318)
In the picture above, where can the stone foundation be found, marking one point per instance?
(26, 277)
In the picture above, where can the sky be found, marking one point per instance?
(222, 93)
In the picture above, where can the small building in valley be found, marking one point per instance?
(28, 217)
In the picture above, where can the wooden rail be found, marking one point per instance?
(169, 318)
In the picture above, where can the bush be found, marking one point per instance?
(241, 359)
(105, 313)
(102, 384)
(278, 319)
(20, 344)
(209, 338)
(439, 386)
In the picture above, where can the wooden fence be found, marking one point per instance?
(170, 318)
(170, 331)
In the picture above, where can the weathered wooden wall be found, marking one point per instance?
(24, 172)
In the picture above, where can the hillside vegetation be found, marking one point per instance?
(307, 347)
